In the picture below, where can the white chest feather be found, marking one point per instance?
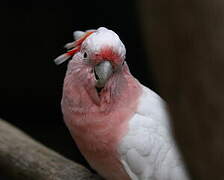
(148, 151)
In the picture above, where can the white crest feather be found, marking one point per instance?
(62, 58)
(70, 45)
(78, 34)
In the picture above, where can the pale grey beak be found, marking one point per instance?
(103, 71)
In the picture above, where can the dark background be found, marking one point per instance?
(34, 33)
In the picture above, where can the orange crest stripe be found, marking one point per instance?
(80, 41)
(73, 51)
(76, 48)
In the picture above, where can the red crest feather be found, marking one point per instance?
(76, 45)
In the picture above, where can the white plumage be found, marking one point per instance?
(104, 37)
(148, 151)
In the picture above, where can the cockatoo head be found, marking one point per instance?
(98, 56)
(105, 51)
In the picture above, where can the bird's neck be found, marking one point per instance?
(108, 119)
(98, 129)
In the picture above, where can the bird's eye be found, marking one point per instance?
(85, 55)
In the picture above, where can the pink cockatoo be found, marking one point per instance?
(120, 126)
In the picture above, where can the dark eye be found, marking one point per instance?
(85, 55)
(123, 63)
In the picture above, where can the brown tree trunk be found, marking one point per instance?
(185, 39)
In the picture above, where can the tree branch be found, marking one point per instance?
(21, 157)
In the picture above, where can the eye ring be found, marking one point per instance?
(85, 55)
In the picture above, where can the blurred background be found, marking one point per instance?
(34, 33)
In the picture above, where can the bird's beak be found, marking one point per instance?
(102, 71)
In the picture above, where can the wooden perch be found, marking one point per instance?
(21, 157)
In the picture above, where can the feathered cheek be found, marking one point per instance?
(83, 75)
(90, 78)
